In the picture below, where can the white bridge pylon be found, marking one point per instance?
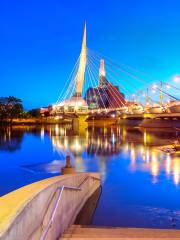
(82, 66)
(75, 102)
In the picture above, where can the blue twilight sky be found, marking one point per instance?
(40, 41)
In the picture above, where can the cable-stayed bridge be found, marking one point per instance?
(97, 85)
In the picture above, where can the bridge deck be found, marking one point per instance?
(152, 115)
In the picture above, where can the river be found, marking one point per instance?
(140, 184)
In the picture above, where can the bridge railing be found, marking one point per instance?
(59, 199)
(45, 209)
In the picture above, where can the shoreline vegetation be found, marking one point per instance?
(12, 112)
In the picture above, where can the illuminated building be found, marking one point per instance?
(106, 95)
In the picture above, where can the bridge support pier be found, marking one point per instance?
(80, 124)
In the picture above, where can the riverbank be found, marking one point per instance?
(35, 121)
(142, 123)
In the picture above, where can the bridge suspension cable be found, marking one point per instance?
(124, 76)
(68, 84)
(123, 69)
(110, 73)
(95, 67)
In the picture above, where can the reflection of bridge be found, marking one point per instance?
(105, 142)
(84, 95)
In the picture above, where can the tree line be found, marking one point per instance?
(12, 107)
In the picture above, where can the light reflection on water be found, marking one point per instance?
(141, 184)
(144, 155)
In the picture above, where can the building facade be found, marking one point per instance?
(106, 95)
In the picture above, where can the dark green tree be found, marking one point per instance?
(11, 108)
(34, 113)
(15, 108)
(3, 112)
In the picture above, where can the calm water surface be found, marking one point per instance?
(141, 185)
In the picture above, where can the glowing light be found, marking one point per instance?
(154, 165)
(105, 130)
(168, 86)
(147, 155)
(65, 143)
(57, 130)
(77, 147)
(98, 142)
(154, 86)
(87, 134)
(126, 147)
(168, 165)
(124, 133)
(145, 138)
(142, 150)
(133, 157)
(42, 133)
(113, 138)
(176, 171)
(106, 144)
(176, 79)
(62, 131)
